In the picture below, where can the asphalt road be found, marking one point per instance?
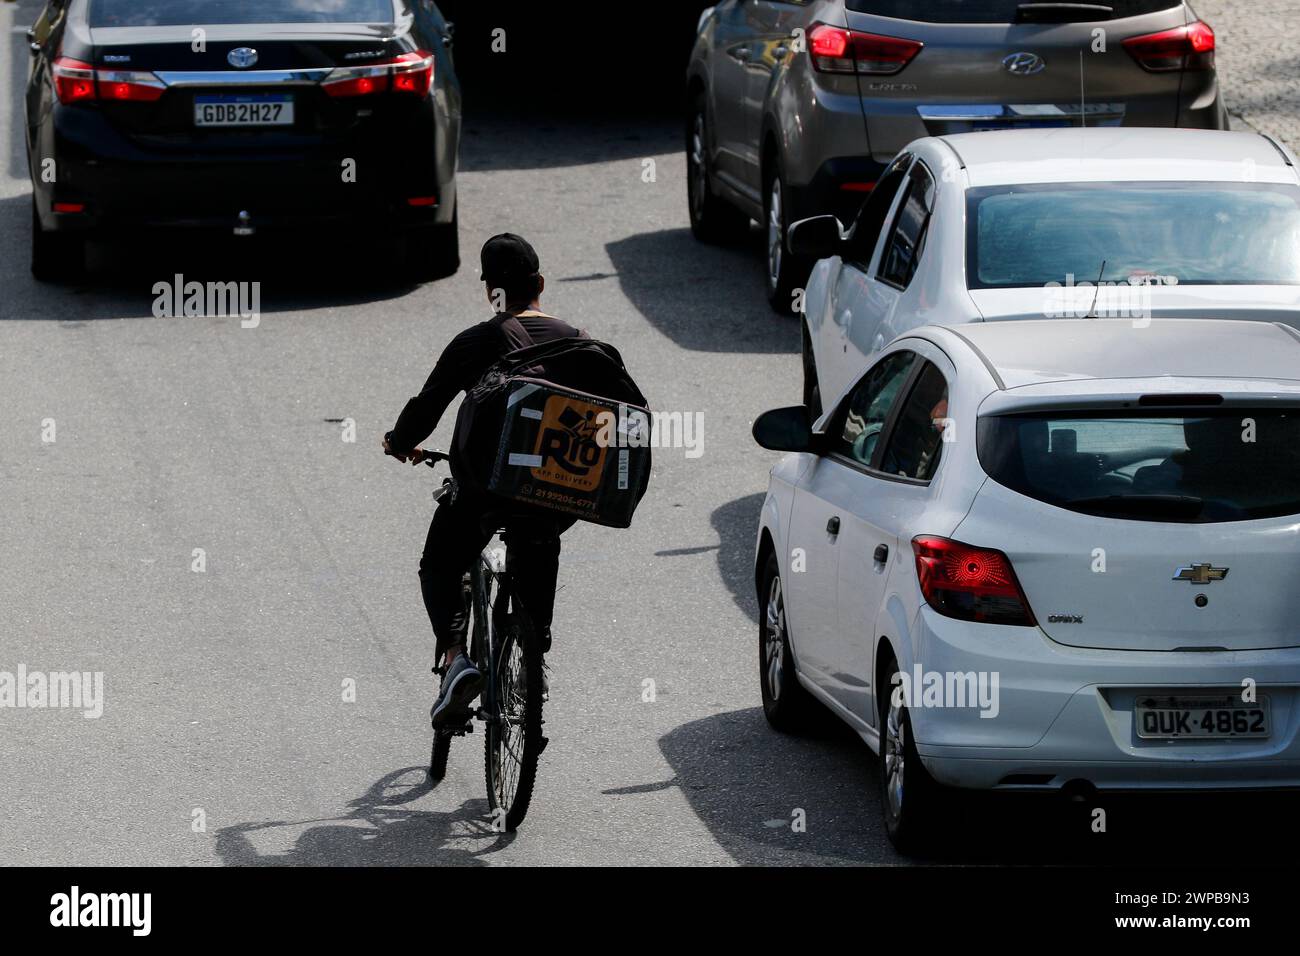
(226, 737)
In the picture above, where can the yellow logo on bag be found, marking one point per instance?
(567, 444)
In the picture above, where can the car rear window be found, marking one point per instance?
(152, 13)
(1158, 233)
(997, 11)
(1225, 465)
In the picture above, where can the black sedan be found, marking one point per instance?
(243, 116)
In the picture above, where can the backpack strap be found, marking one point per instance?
(517, 336)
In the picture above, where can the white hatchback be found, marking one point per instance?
(1057, 223)
(1045, 555)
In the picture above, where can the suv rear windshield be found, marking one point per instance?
(1225, 465)
(1162, 233)
(167, 13)
(997, 11)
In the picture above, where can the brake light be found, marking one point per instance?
(129, 86)
(836, 50)
(408, 73)
(970, 583)
(78, 82)
(1189, 47)
(74, 81)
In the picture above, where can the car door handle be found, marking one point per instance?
(833, 526)
(882, 553)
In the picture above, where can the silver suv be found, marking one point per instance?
(796, 108)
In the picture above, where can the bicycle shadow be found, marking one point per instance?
(378, 829)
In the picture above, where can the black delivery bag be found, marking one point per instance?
(560, 426)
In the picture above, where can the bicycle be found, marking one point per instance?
(506, 647)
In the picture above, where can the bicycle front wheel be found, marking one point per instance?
(513, 742)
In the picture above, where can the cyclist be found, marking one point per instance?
(514, 284)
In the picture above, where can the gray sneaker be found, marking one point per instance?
(460, 688)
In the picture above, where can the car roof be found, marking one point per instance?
(1119, 154)
(1044, 350)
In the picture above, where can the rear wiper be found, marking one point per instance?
(1062, 12)
(1180, 506)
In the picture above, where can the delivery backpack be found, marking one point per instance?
(560, 426)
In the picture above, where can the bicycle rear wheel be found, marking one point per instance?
(513, 742)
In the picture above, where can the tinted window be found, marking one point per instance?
(147, 13)
(1184, 233)
(1226, 466)
(869, 405)
(907, 238)
(871, 218)
(990, 11)
(916, 443)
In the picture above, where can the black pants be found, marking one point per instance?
(457, 537)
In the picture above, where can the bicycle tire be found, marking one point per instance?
(518, 648)
(438, 757)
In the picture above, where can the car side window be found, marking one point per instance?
(871, 217)
(916, 442)
(907, 237)
(868, 407)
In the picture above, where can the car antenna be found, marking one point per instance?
(1092, 312)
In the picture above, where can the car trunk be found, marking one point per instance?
(960, 81)
(195, 76)
(1135, 603)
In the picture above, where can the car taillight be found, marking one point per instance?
(74, 81)
(1189, 47)
(78, 82)
(970, 583)
(129, 86)
(408, 73)
(836, 50)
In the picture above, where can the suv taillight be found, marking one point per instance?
(836, 50)
(78, 82)
(1189, 47)
(969, 583)
(408, 73)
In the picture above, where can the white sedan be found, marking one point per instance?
(1018, 224)
(1045, 555)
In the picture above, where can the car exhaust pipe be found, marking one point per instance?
(1079, 791)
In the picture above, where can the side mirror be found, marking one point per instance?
(817, 238)
(784, 429)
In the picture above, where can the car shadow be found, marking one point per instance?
(736, 524)
(705, 298)
(773, 798)
(291, 273)
(377, 829)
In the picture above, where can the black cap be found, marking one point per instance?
(507, 259)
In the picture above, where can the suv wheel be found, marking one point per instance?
(785, 272)
(713, 219)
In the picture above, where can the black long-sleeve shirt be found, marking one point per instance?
(462, 363)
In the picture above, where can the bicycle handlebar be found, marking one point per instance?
(431, 458)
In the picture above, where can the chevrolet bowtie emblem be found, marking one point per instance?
(1200, 574)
